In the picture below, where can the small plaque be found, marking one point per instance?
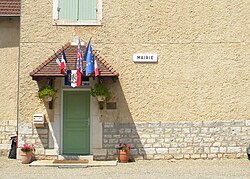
(111, 105)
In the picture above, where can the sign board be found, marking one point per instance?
(145, 57)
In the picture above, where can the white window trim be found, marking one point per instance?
(57, 21)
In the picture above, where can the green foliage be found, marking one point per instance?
(46, 91)
(101, 90)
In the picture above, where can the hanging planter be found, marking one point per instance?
(100, 98)
(101, 92)
(47, 93)
(47, 98)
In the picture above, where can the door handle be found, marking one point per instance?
(88, 121)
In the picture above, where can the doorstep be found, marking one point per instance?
(75, 157)
(49, 163)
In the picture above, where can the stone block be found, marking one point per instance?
(187, 150)
(2, 128)
(186, 156)
(147, 136)
(165, 145)
(197, 124)
(186, 130)
(168, 130)
(209, 123)
(214, 149)
(239, 123)
(206, 149)
(100, 152)
(222, 149)
(188, 139)
(195, 156)
(154, 124)
(5, 146)
(178, 156)
(230, 156)
(168, 157)
(185, 124)
(42, 131)
(162, 150)
(51, 152)
(113, 141)
(149, 157)
(197, 139)
(13, 123)
(203, 156)
(216, 144)
(25, 128)
(114, 136)
(204, 130)
(158, 131)
(234, 149)
(158, 157)
(108, 125)
(150, 141)
(169, 124)
(247, 122)
(174, 150)
(214, 129)
(111, 151)
(107, 136)
(198, 150)
(182, 144)
(150, 151)
(157, 145)
(10, 128)
(212, 156)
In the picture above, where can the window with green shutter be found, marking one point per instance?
(77, 12)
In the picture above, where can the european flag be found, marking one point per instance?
(89, 60)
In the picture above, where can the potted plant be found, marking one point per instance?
(101, 92)
(27, 153)
(123, 152)
(47, 93)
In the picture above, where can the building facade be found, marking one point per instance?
(190, 103)
(9, 50)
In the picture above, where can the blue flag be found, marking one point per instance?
(89, 60)
(68, 78)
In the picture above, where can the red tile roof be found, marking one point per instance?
(50, 68)
(10, 7)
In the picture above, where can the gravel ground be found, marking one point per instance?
(227, 168)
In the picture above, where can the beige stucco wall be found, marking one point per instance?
(203, 48)
(9, 41)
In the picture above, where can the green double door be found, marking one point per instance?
(76, 122)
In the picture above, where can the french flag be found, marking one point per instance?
(96, 68)
(63, 63)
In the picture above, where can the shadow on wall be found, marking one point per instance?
(44, 132)
(9, 32)
(119, 126)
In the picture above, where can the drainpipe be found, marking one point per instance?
(18, 75)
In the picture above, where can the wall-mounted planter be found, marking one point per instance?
(47, 98)
(100, 98)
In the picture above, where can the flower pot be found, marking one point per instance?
(100, 98)
(47, 98)
(123, 156)
(26, 157)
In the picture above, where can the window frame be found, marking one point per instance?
(57, 21)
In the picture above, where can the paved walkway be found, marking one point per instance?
(227, 168)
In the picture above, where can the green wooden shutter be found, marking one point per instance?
(68, 10)
(87, 9)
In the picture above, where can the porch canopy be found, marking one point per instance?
(49, 68)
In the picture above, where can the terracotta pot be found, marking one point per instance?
(123, 156)
(26, 157)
